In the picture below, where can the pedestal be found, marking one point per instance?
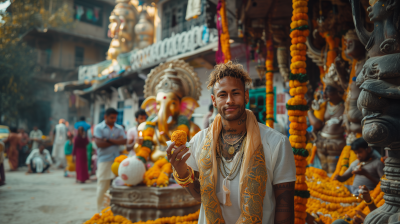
(149, 203)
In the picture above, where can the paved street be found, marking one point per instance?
(45, 198)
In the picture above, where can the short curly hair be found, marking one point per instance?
(231, 69)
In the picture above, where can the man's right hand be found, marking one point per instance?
(177, 160)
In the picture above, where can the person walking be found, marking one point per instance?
(80, 156)
(13, 140)
(35, 136)
(108, 137)
(59, 140)
(206, 121)
(246, 170)
(68, 147)
(82, 123)
(23, 147)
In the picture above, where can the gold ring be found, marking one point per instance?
(176, 159)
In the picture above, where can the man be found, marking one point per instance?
(132, 136)
(59, 140)
(368, 168)
(23, 147)
(35, 136)
(82, 123)
(39, 160)
(108, 137)
(206, 121)
(246, 169)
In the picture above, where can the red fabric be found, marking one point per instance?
(79, 151)
(13, 139)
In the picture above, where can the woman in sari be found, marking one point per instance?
(13, 140)
(80, 156)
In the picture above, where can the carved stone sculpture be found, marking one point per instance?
(144, 30)
(328, 125)
(121, 29)
(171, 90)
(356, 52)
(142, 203)
(379, 99)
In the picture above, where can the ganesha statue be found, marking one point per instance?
(326, 117)
(171, 90)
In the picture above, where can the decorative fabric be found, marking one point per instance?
(253, 174)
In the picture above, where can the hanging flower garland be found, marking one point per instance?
(107, 216)
(223, 53)
(297, 106)
(269, 77)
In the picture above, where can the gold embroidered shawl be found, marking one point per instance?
(253, 174)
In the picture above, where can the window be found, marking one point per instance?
(102, 112)
(88, 13)
(120, 109)
(173, 18)
(78, 56)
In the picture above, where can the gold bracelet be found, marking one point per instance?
(185, 182)
(368, 203)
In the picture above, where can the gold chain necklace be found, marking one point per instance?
(231, 149)
(234, 170)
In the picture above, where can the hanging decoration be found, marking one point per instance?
(223, 53)
(269, 77)
(297, 106)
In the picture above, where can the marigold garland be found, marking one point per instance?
(269, 77)
(107, 216)
(297, 106)
(330, 199)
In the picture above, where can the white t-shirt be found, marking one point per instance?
(280, 164)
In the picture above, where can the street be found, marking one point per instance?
(45, 198)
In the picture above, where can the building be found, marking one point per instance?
(173, 37)
(59, 54)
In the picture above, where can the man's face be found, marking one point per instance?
(362, 154)
(141, 119)
(230, 98)
(35, 128)
(110, 119)
(41, 148)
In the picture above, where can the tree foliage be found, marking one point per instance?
(17, 59)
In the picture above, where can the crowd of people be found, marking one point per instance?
(81, 152)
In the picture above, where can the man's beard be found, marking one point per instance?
(237, 116)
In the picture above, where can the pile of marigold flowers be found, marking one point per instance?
(107, 217)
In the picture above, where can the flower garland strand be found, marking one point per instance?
(223, 53)
(331, 200)
(269, 77)
(297, 106)
(107, 216)
(159, 174)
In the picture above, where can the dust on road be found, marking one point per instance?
(45, 198)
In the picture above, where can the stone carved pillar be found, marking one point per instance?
(379, 99)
